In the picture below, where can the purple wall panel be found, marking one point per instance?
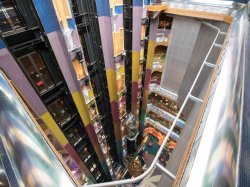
(153, 29)
(107, 41)
(61, 52)
(137, 21)
(13, 71)
(115, 112)
(147, 79)
(92, 135)
(72, 153)
(134, 92)
(75, 37)
(118, 20)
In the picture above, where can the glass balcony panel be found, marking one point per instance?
(92, 111)
(79, 69)
(9, 17)
(33, 74)
(143, 32)
(87, 91)
(59, 111)
(43, 70)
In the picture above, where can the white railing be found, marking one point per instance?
(162, 128)
(166, 115)
(158, 89)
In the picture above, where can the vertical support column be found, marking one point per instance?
(13, 71)
(136, 40)
(149, 64)
(104, 19)
(64, 39)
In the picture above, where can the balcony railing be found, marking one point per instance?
(180, 123)
(158, 89)
(163, 129)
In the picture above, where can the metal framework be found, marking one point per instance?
(155, 161)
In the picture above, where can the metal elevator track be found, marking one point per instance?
(244, 163)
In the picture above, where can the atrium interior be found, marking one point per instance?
(148, 93)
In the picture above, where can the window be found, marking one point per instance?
(87, 91)
(59, 111)
(79, 68)
(9, 17)
(74, 7)
(74, 135)
(37, 72)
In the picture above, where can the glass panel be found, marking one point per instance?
(4, 24)
(79, 68)
(122, 106)
(120, 76)
(32, 73)
(74, 7)
(43, 70)
(92, 111)
(87, 91)
(10, 20)
(59, 111)
(73, 135)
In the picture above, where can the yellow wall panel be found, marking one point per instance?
(150, 57)
(111, 79)
(81, 107)
(53, 127)
(118, 2)
(135, 65)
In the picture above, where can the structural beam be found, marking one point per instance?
(149, 64)
(136, 39)
(64, 40)
(105, 25)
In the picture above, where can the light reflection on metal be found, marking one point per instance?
(33, 161)
(3, 177)
(217, 156)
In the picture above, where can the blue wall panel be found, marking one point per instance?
(2, 45)
(103, 8)
(119, 9)
(137, 2)
(47, 15)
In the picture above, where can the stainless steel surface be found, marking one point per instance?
(216, 161)
(3, 178)
(31, 158)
